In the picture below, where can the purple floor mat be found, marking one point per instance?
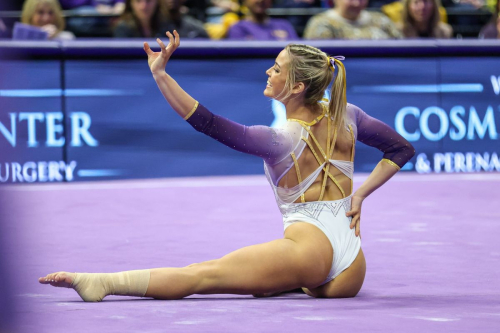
(431, 245)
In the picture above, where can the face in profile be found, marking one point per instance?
(350, 9)
(44, 14)
(258, 7)
(421, 10)
(144, 9)
(277, 75)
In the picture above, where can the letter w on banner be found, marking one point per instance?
(495, 82)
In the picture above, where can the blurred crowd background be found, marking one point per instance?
(251, 19)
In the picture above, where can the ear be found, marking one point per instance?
(298, 88)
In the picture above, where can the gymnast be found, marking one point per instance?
(309, 165)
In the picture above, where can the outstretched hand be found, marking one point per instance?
(157, 61)
(355, 212)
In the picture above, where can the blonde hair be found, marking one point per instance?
(410, 26)
(312, 67)
(30, 6)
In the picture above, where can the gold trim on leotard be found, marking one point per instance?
(192, 111)
(391, 163)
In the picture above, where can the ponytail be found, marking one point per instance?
(338, 99)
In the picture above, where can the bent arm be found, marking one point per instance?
(397, 151)
(270, 144)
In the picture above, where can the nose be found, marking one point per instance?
(268, 72)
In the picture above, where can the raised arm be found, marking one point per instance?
(397, 151)
(270, 144)
(178, 99)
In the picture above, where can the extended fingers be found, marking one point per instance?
(162, 45)
(171, 38)
(147, 49)
(177, 39)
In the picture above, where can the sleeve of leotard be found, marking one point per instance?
(372, 132)
(271, 144)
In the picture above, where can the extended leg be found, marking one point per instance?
(301, 260)
(275, 266)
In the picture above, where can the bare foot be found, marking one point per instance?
(59, 279)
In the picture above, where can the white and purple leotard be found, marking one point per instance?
(280, 148)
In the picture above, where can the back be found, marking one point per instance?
(319, 152)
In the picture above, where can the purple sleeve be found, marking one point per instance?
(375, 133)
(268, 143)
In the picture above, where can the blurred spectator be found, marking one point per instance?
(492, 29)
(140, 18)
(4, 32)
(186, 26)
(257, 25)
(299, 21)
(394, 11)
(350, 20)
(46, 14)
(115, 7)
(223, 15)
(421, 19)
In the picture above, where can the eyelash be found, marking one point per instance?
(277, 71)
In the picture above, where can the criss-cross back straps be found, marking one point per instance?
(324, 168)
(330, 145)
(329, 149)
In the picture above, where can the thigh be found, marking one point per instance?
(346, 284)
(278, 265)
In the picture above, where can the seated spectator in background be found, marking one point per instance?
(350, 20)
(92, 26)
(394, 11)
(140, 19)
(46, 14)
(4, 32)
(421, 19)
(257, 25)
(299, 22)
(115, 7)
(186, 26)
(492, 29)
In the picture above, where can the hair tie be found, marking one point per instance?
(331, 60)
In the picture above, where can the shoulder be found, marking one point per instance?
(280, 23)
(324, 25)
(324, 17)
(489, 31)
(381, 19)
(445, 30)
(238, 30)
(354, 113)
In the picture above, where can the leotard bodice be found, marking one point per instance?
(281, 148)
